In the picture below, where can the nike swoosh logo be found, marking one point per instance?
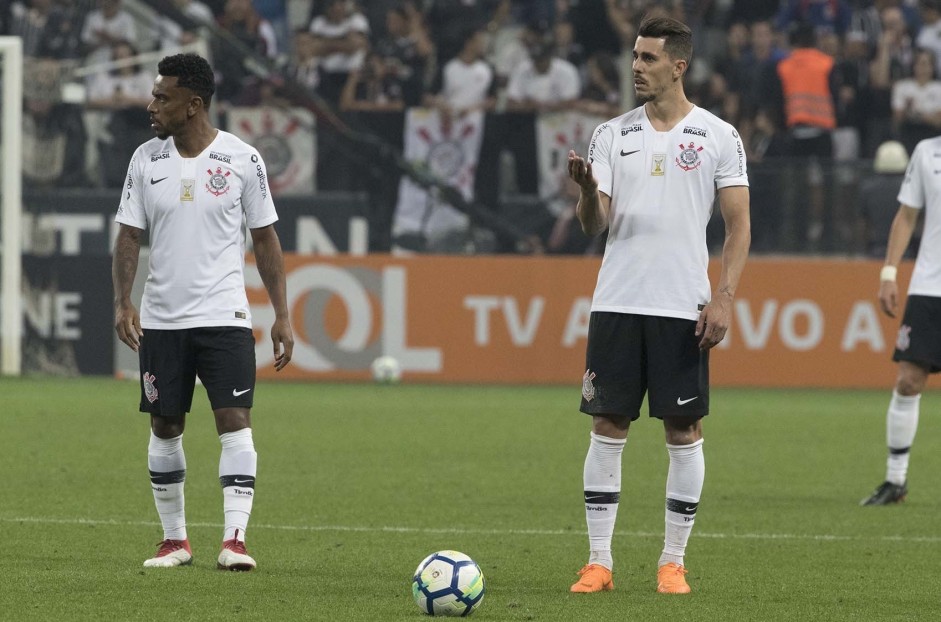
(624, 153)
(692, 509)
(680, 402)
(589, 499)
(241, 481)
(156, 181)
(237, 393)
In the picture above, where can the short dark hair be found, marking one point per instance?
(678, 38)
(802, 35)
(192, 71)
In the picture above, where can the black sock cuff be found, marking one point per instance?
(242, 481)
(687, 508)
(172, 477)
(593, 497)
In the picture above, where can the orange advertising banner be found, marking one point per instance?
(524, 320)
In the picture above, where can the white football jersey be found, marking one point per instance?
(662, 187)
(196, 210)
(921, 189)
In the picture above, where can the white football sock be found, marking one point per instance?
(900, 426)
(684, 486)
(167, 466)
(237, 467)
(602, 478)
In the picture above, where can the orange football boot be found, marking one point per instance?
(671, 579)
(594, 578)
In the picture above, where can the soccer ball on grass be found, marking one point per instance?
(386, 370)
(448, 583)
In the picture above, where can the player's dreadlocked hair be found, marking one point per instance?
(192, 71)
(678, 38)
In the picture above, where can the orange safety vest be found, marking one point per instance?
(805, 80)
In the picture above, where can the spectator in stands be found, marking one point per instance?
(823, 15)
(809, 113)
(601, 95)
(466, 82)
(751, 11)
(929, 37)
(916, 102)
(407, 50)
(275, 12)
(174, 35)
(29, 23)
(892, 62)
(105, 26)
(449, 20)
(758, 73)
(543, 82)
(123, 94)
(603, 26)
(374, 87)
(566, 46)
(304, 67)
(54, 136)
(846, 86)
(342, 37)
(234, 83)
(62, 37)
(724, 89)
(507, 43)
(877, 200)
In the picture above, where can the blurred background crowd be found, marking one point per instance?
(820, 183)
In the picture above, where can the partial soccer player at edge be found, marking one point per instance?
(196, 188)
(650, 179)
(918, 345)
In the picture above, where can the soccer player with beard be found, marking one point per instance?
(650, 178)
(196, 188)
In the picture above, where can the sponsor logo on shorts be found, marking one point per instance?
(680, 401)
(150, 391)
(588, 388)
(904, 339)
(236, 393)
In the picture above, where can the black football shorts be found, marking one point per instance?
(630, 356)
(170, 360)
(919, 336)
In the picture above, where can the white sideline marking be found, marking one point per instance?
(489, 532)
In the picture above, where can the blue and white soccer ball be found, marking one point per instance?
(448, 583)
(386, 370)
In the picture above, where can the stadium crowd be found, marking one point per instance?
(512, 59)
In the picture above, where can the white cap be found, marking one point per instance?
(891, 157)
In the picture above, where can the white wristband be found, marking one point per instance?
(888, 273)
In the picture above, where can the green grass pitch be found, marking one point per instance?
(357, 483)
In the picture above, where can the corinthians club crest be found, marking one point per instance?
(218, 184)
(588, 387)
(904, 338)
(150, 391)
(688, 159)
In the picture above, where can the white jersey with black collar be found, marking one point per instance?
(921, 189)
(662, 187)
(196, 210)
